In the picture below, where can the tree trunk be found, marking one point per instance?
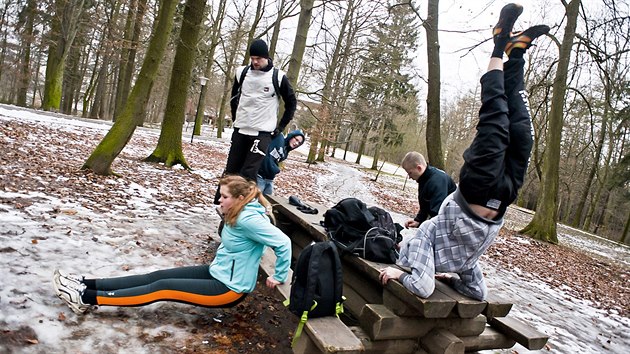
(101, 81)
(36, 79)
(3, 48)
(231, 58)
(252, 30)
(433, 137)
(347, 147)
(297, 54)
(215, 37)
(101, 78)
(362, 144)
(64, 26)
(299, 44)
(276, 29)
(379, 142)
(600, 188)
(169, 146)
(128, 55)
(598, 153)
(323, 124)
(27, 39)
(626, 228)
(71, 79)
(132, 115)
(543, 225)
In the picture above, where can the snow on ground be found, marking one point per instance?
(46, 232)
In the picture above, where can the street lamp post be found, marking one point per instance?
(202, 80)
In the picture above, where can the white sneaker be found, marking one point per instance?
(69, 289)
(68, 276)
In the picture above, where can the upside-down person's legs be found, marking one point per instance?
(482, 177)
(517, 157)
(484, 166)
(518, 152)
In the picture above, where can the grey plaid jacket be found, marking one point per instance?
(450, 242)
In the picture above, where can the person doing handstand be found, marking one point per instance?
(494, 168)
(229, 278)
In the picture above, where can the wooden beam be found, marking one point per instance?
(398, 346)
(370, 290)
(354, 301)
(379, 323)
(268, 265)
(524, 334)
(310, 222)
(489, 339)
(437, 305)
(330, 335)
(497, 306)
(465, 307)
(440, 341)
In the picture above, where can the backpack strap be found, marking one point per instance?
(338, 278)
(276, 84)
(237, 97)
(243, 74)
(350, 247)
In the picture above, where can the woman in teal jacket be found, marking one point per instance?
(230, 277)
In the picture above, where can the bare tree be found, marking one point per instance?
(131, 36)
(433, 137)
(609, 53)
(299, 44)
(64, 26)
(28, 18)
(169, 146)
(213, 42)
(543, 225)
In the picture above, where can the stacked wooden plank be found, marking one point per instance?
(394, 320)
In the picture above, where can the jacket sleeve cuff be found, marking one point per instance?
(403, 277)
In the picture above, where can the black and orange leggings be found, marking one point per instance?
(191, 285)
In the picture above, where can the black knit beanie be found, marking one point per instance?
(259, 49)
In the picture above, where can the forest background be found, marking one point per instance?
(379, 78)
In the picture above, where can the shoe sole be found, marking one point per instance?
(60, 293)
(56, 276)
(514, 10)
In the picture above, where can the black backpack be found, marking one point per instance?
(317, 284)
(369, 233)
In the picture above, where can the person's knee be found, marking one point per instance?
(521, 135)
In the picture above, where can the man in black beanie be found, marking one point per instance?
(255, 104)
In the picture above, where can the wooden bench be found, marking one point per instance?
(320, 335)
(393, 319)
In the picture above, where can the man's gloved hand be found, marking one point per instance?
(275, 132)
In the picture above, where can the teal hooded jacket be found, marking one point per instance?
(242, 245)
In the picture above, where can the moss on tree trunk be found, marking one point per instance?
(169, 147)
(132, 115)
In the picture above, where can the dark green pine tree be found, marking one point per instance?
(385, 90)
